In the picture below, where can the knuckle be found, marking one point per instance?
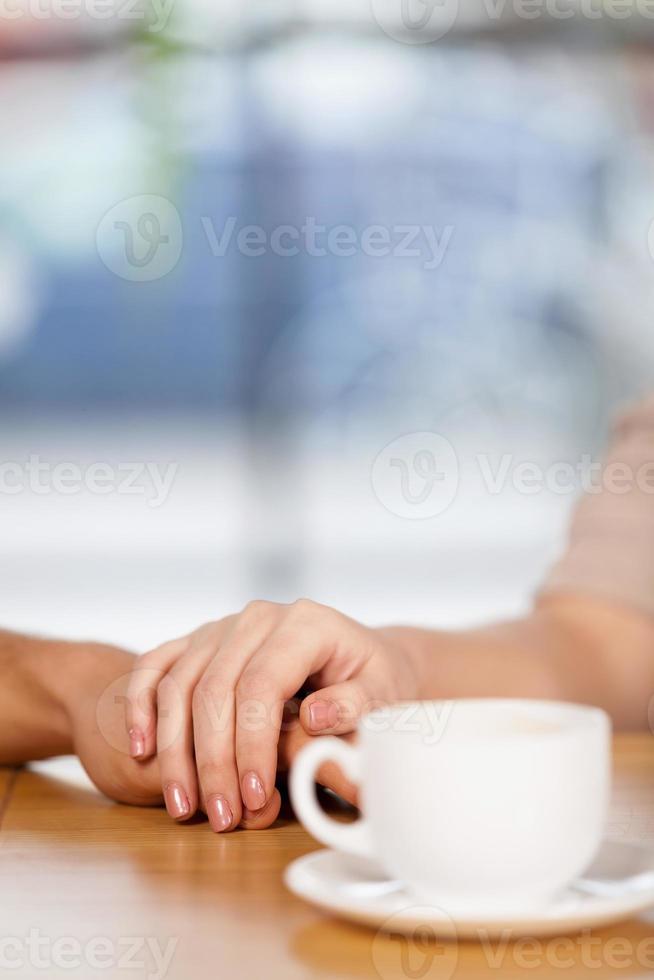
(153, 658)
(207, 633)
(304, 606)
(209, 696)
(148, 670)
(307, 611)
(149, 659)
(258, 609)
(254, 684)
(210, 686)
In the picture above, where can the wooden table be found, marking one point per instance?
(88, 884)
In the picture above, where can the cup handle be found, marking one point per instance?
(353, 838)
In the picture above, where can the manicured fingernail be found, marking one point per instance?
(254, 795)
(177, 802)
(219, 813)
(322, 714)
(136, 743)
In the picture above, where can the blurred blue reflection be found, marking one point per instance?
(504, 154)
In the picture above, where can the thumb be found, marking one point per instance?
(336, 710)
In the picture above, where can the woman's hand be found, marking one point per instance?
(95, 701)
(210, 706)
(58, 698)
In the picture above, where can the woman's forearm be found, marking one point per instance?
(571, 648)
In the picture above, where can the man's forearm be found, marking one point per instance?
(33, 721)
(39, 679)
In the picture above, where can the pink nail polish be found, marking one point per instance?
(136, 743)
(254, 795)
(322, 714)
(177, 802)
(219, 813)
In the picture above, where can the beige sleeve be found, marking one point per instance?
(611, 548)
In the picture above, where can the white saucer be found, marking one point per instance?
(619, 884)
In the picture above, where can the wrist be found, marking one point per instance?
(412, 657)
(88, 670)
(34, 722)
(46, 681)
(523, 658)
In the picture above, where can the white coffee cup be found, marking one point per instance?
(490, 804)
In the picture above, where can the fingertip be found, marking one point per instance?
(177, 802)
(220, 814)
(136, 743)
(319, 715)
(253, 792)
(262, 819)
(142, 747)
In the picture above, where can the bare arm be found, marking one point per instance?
(50, 698)
(591, 635)
(33, 719)
(573, 647)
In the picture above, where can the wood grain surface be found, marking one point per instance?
(94, 889)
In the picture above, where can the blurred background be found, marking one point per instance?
(253, 255)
